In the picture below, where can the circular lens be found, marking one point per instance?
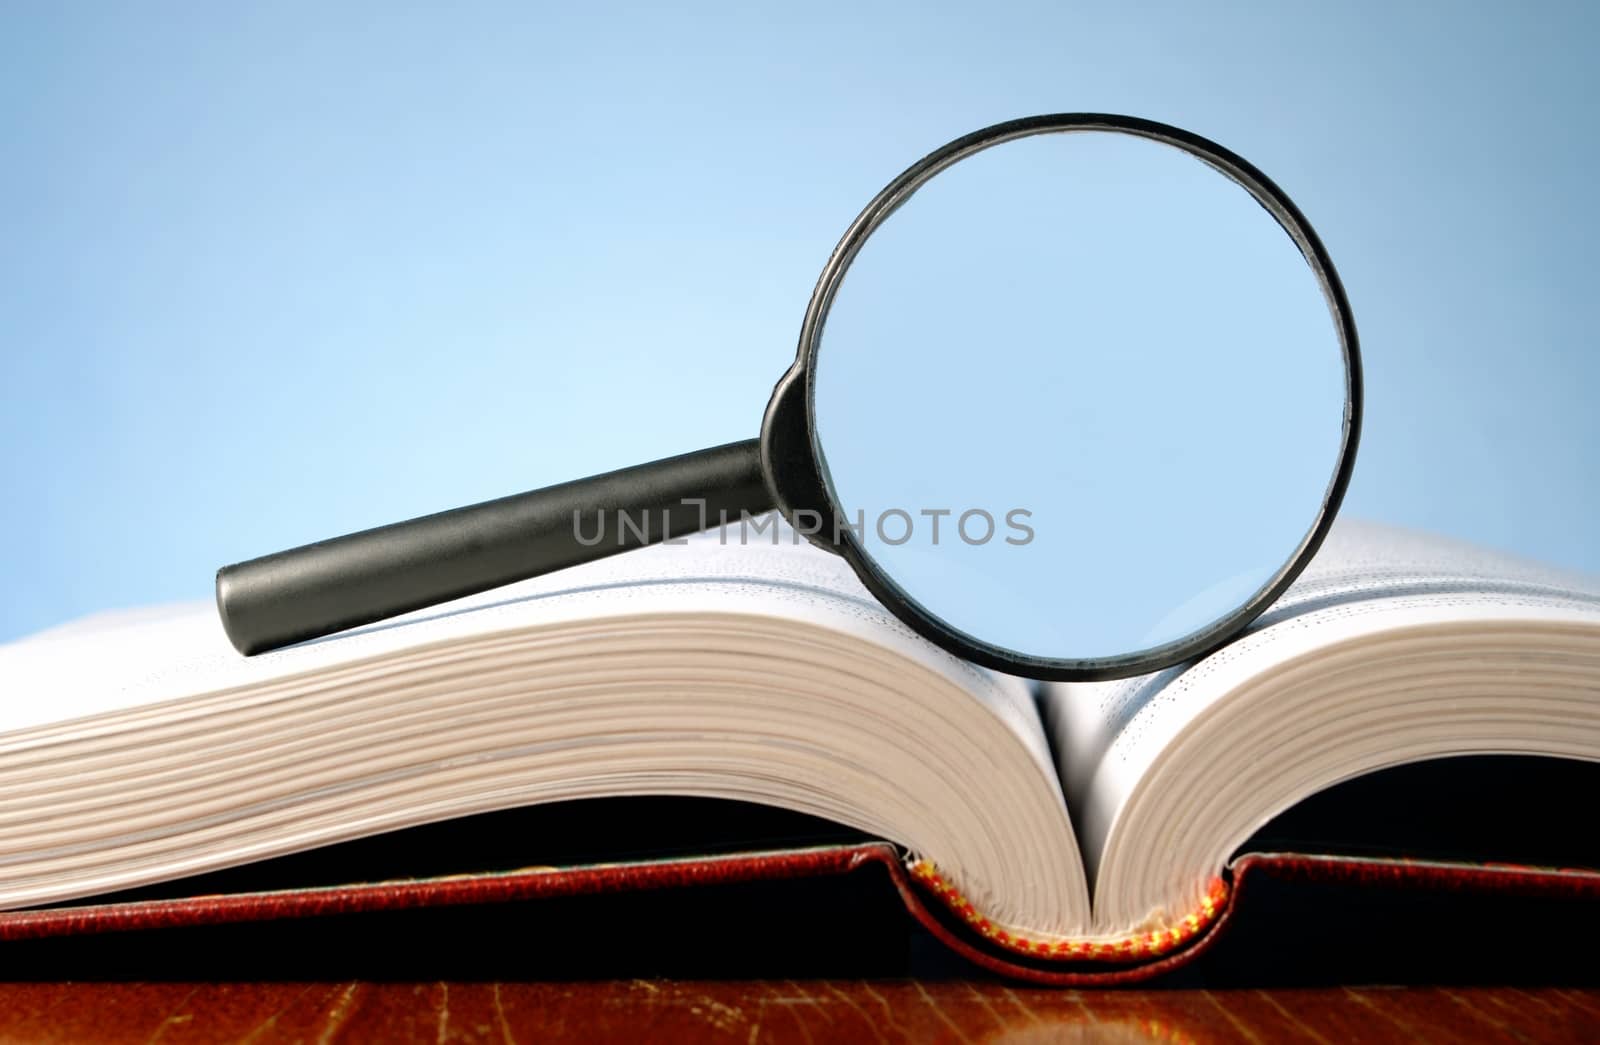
(1080, 400)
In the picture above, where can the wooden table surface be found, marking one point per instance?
(790, 1010)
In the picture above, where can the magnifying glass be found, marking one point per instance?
(1077, 396)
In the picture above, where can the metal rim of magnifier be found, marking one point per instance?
(901, 603)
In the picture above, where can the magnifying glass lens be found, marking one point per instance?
(1079, 398)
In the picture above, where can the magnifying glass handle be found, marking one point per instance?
(345, 582)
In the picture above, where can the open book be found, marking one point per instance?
(1073, 820)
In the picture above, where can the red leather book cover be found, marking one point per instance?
(1465, 886)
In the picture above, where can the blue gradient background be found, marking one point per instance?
(269, 276)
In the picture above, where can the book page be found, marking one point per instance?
(135, 658)
(1106, 735)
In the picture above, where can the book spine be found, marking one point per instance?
(1160, 936)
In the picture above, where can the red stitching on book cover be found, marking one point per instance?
(1145, 943)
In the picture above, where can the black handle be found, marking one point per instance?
(363, 577)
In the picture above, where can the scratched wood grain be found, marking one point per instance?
(785, 1011)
